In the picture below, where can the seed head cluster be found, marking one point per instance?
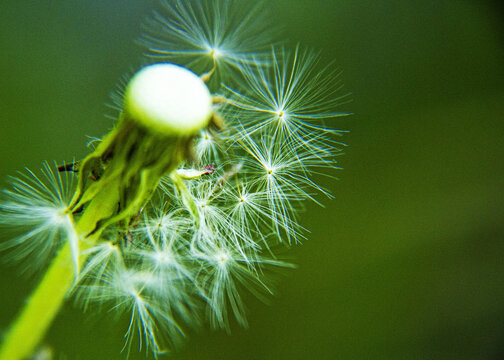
(212, 229)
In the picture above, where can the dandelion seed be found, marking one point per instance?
(163, 221)
(290, 100)
(148, 318)
(35, 209)
(207, 148)
(284, 172)
(251, 212)
(205, 33)
(218, 275)
(100, 260)
(165, 254)
(128, 291)
(224, 271)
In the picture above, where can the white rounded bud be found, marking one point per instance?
(168, 98)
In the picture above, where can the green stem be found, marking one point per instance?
(41, 308)
(126, 169)
(45, 302)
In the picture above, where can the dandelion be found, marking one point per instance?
(129, 292)
(202, 35)
(180, 208)
(207, 147)
(290, 99)
(223, 269)
(35, 210)
(250, 212)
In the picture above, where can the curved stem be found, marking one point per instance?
(41, 308)
(135, 161)
(44, 303)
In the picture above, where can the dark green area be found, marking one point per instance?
(406, 263)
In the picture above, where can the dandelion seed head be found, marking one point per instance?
(210, 229)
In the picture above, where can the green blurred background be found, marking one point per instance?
(406, 263)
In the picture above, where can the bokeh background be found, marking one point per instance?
(406, 263)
